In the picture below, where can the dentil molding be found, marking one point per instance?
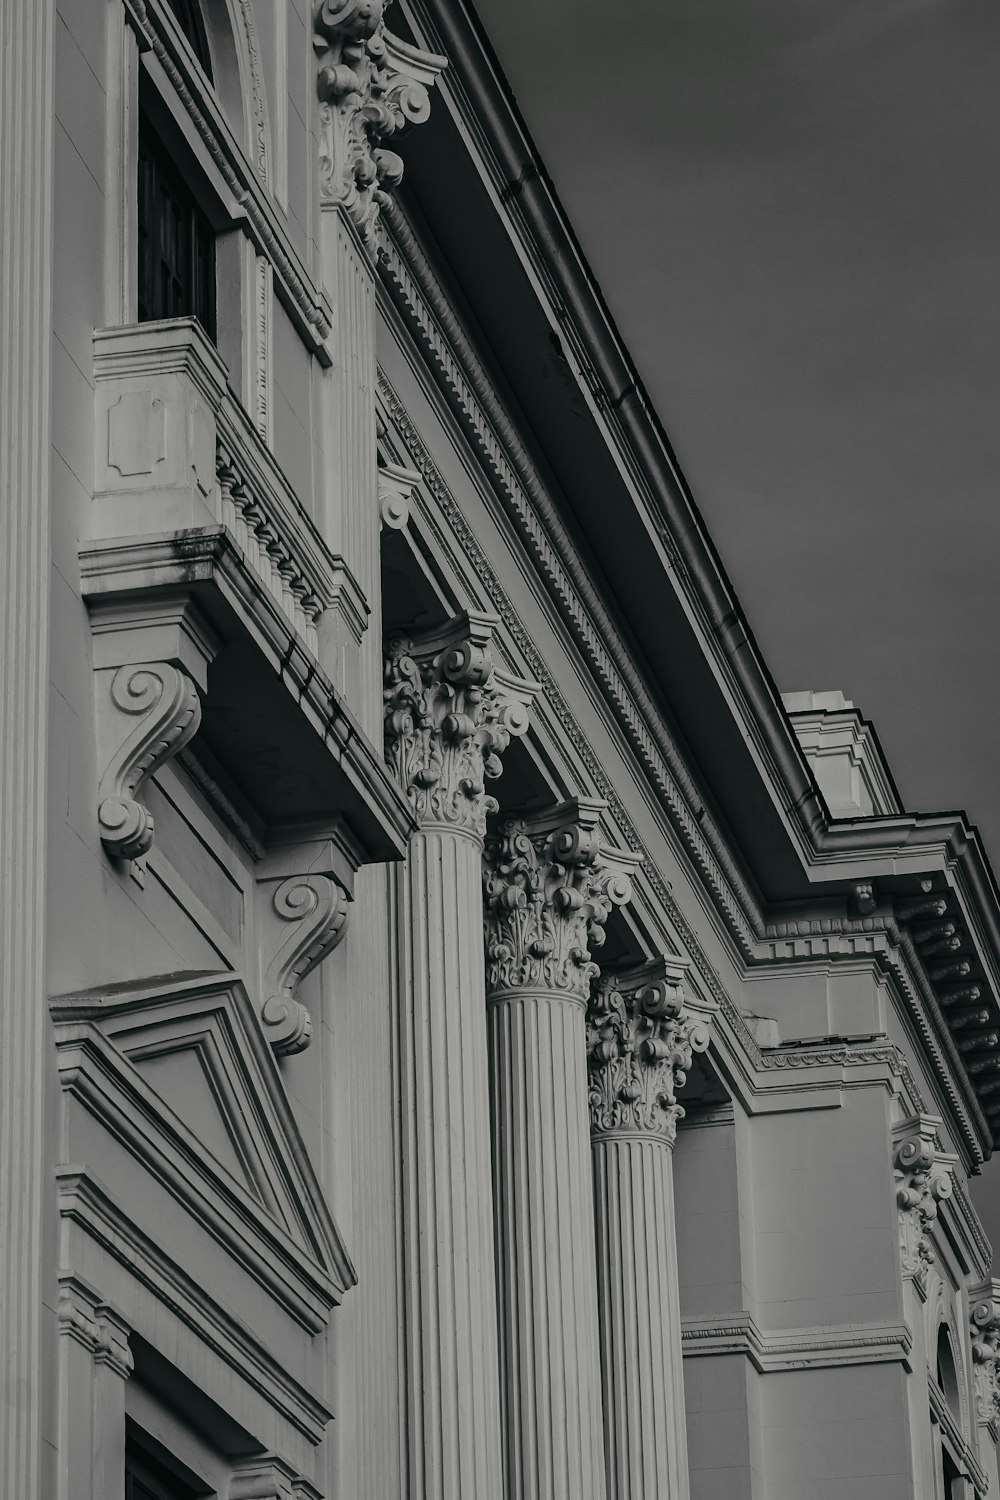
(302, 916)
(371, 85)
(548, 890)
(449, 716)
(923, 1180)
(640, 1044)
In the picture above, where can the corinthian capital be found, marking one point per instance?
(449, 716)
(370, 86)
(923, 1181)
(549, 887)
(640, 1043)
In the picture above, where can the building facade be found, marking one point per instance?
(463, 1035)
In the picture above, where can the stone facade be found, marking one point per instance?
(462, 1035)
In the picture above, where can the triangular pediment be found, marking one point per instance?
(182, 1067)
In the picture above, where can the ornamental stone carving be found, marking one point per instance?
(548, 889)
(84, 1316)
(449, 716)
(151, 710)
(984, 1322)
(302, 917)
(640, 1045)
(923, 1181)
(371, 85)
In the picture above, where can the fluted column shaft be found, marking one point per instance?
(639, 1047)
(446, 724)
(640, 1330)
(27, 116)
(549, 891)
(550, 1365)
(452, 1375)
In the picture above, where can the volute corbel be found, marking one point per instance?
(304, 901)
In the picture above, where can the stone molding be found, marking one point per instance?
(302, 918)
(984, 1324)
(829, 935)
(823, 1347)
(285, 1240)
(548, 889)
(268, 1477)
(922, 1174)
(397, 488)
(83, 1315)
(449, 716)
(307, 303)
(468, 391)
(87, 1207)
(371, 85)
(640, 1045)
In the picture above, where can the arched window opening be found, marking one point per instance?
(947, 1373)
(189, 18)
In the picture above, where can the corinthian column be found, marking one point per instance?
(639, 1048)
(448, 718)
(549, 890)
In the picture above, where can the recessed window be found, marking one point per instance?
(176, 242)
(189, 18)
(146, 1478)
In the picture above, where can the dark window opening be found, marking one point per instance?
(176, 242)
(146, 1478)
(189, 18)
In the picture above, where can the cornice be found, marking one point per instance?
(85, 1202)
(479, 101)
(807, 1348)
(426, 312)
(757, 1064)
(306, 302)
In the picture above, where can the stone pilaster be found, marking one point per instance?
(447, 722)
(370, 87)
(640, 1043)
(549, 889)
(27, 112)
(95, 1362)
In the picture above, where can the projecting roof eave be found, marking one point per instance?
(527, 288)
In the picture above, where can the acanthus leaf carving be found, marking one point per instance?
(371, 86)
(984, 1323)
(640, 1046)
(922, 1174)
(303, 917)
(149, 712)
(548, 889)
(449, 716)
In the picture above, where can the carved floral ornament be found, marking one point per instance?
(448, 719)
(923, 1181)
(984, 1321)
(548, 889)
(371, 85)
(640, 1046)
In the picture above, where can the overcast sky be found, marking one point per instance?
(793, 210)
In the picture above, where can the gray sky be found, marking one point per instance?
(793, 210)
